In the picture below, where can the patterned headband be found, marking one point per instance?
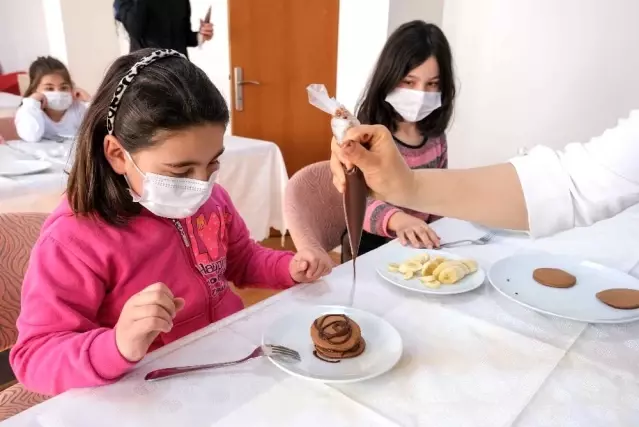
(128, 78)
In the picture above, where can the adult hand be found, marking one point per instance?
(40, 98)
(81, 95)
(206, 30)
(143, 317)
(384, 169)
(310, 264)
(413, 231)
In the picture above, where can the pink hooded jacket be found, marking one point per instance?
(82, 271)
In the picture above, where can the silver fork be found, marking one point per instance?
(276, 351)
(481, 241)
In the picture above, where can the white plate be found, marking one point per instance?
(467, 284)
(293, 330)
(512, 277)
(22, 167)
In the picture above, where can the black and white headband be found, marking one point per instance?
(128, 78)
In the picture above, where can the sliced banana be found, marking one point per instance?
(434, 271)
(393, 267)
(422, 258)
(410, 266)
(471, 264)
(444, 265)
(465, 268)
(429, 267)
(451, 275)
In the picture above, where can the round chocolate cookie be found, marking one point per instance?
(624, 299)
(335, 332)
(554, 277)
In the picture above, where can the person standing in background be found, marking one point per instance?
(164, 24)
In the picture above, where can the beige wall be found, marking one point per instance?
(539, 72)
(22, 34)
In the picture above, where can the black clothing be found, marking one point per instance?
(157, 23)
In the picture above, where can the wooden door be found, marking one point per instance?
(283, 45)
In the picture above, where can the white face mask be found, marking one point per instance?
(171, 197)
(59, 101)
(414, 105)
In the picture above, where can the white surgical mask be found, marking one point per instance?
(171, 197)
(59, 101)
(414, 105)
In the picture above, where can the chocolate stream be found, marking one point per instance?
(354, 199)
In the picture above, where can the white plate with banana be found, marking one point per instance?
(433, 272)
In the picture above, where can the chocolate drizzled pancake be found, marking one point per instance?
(336, 337)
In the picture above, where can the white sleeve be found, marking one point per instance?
(30, 120)
(584, 183)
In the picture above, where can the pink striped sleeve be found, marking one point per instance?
(377, 215)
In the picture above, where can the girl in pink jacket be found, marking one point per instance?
(141, 251)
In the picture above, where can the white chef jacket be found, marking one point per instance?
(32, 124)
(584, 183)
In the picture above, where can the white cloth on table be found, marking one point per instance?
(583, 184)
(475, 359)
(9, 103)
(254, 175)
(252, 172)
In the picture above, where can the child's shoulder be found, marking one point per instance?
(63, 226)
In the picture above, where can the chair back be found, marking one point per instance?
(314, 208)
(18, 234)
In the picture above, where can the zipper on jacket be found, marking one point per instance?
(191, 261)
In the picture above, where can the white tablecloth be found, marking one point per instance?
(9, 103)
(252, 172)
(475, 359)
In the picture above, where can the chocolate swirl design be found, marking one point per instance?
(342, 330)
(336, 337)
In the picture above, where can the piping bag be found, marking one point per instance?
(356, 191)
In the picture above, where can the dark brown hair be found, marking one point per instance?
(44, 66)
(407, 48)
(170, 94)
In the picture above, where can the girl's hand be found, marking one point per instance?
(309, 265)
(40, 98)
(413, 231)
(81, 95)
(143, 317)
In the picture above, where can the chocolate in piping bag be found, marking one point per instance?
(355, 192)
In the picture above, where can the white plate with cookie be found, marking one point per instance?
(376, 345)
(572, 296)
(432, 272)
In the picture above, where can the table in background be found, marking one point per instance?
(475, 359)
(252, 172)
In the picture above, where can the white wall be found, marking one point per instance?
(22, 34)
(91, 40)
(539, 72)
(362, 32)
(78, 32)
(213, 56)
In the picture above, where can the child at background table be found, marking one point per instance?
(411, 92)
(52, 107)
(142, 251)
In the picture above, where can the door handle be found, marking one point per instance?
(238, 79)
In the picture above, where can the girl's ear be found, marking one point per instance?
(115, 154)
